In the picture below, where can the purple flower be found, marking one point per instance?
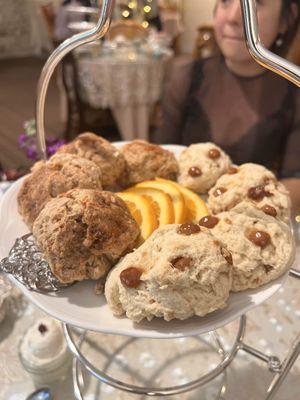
(53, 145)
(28, 142)
(22, 140)
(32, 153)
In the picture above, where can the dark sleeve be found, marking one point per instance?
(291, 160)
(171, 118)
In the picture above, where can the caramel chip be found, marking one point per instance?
(214, 154)
(269, 210)
(259, 238)
(130, 277)
(258, 193)
(188, 228)
(195, 172)
(209, 221)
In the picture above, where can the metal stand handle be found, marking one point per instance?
(68, 45)
(262, 55)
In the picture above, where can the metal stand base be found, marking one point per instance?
(280, 369)
(211, 349)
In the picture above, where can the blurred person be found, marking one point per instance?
(64, 18)
(229, 99)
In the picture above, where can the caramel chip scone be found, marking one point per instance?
(180, 271)
(83, 233)
(108, 158)
(61, 173)
(254, 183)
(262, 248)
(147, 161)
(200, 165)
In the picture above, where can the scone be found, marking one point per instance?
(102, 153)
(262, 247)
(180, 271)
(61, 173)
(200, 165)
(83, 233)
(147, 161)
(254, 183)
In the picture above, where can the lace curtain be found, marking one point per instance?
(22, 29)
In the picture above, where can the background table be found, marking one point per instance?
(130, 84)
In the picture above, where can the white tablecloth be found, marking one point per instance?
(130, 87)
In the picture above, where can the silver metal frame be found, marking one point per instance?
(78, 380)
(266, 59)
(66, 47)
(150, 391)
(295, 273)
(280, 369)
(262, 55)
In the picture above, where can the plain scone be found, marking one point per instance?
(145, 161)
(181, 276)
(254, 183)
(60, 174)
(83, 233)
(108, 158)
(262, 247)
(200, 165)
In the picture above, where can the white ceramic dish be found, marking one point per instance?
(79, 306)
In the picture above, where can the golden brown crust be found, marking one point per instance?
(101, 152)
(83, 233)
(61, 173)
(147, 161)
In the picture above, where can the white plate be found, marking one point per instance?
(79, 306)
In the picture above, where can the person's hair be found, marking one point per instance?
(283, 41)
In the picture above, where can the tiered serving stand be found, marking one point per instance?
(280, 369)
